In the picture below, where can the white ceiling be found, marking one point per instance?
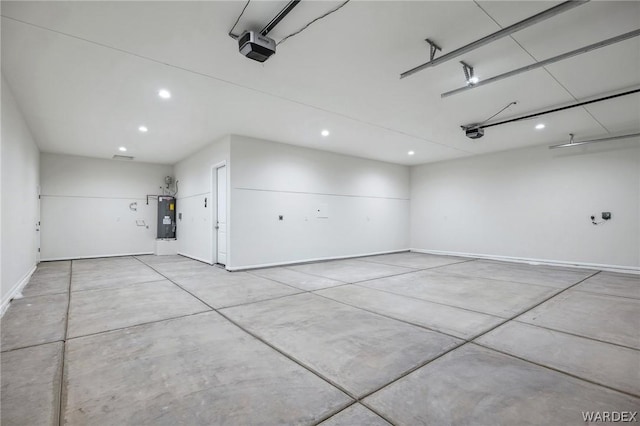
(86, 75)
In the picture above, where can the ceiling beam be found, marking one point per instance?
(585, 49)
(546, 14)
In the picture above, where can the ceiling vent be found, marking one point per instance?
(123, 157)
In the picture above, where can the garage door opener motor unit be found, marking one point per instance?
(256, 46)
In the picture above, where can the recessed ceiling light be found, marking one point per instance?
(540, 126)
(164, 93)
(122, 149)
(143, 129)
(325, 133)
(410, 152)
(473, 80)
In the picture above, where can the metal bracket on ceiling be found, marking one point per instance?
(468, 73)
(579, 51)
(546, 14)
(432, 49)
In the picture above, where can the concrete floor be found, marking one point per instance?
(404, 339)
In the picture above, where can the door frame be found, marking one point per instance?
(214, 211)
(38, 224)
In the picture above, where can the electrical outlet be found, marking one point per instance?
(606, 215)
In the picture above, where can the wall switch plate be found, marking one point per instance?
(606, 215)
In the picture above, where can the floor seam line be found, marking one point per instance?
(290, 357)
(298, 291)
(608, 294)
(391, 318)
(313, 275)
(331, 415)
(431, 301)
(29, 296)
(356, 399)
(472, 341)
(262, 300)
(263, 341)
(14, 300)
(124, 285)
(534, 306)
(301, 290)
(137, 325)
(413, 369)
(342, 284)
(61, 392)
(576, 335)
(299, 363)
(548, 367)
(469, 341)
(370, 408)
(386, 276)
(35, 345)
(276, 281)
(177, 285)
(504, 280)
(355, 402)
(420, 268)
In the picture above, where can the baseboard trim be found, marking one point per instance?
(97, 256)
(199, 259)
(318, 259)
(533, 261)
(15, 290)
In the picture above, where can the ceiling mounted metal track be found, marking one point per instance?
(562, 7)
(585, 49)
(272, 24)
(279, 17)
(537, 114)
(572, 143)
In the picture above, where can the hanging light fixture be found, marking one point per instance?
(573, 143)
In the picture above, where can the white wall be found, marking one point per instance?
(20, 157)
(532, 203)
(85, 206)
(367, 201)
(195, 229)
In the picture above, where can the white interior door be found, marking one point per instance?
(221, 215)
